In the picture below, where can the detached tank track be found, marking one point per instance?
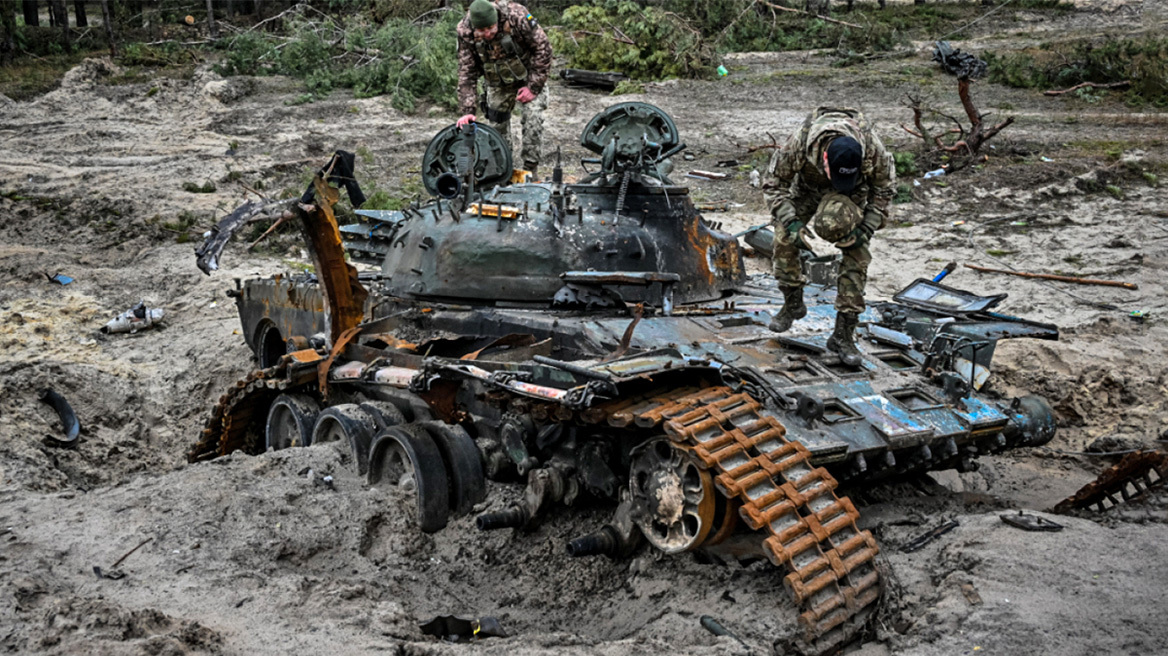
(810, 531)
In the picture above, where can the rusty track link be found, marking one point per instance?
(229, 427)
(810, 531)
(1130, 478)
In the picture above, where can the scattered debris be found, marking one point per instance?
(935, 173)
(717, 206)
(136, 318)
(1051, 276)
(1130, 478)
(578, 77)
(69, 422)
(755, 178)
(714, 626)
(949, 268)
(1089, 85)
(707, 175)
(127, 554)
(1031, 522)
(919, 543)
(726, 163)
(955, 62)
(463, 629)
(59, 278)
(971, 594)
(112, 574)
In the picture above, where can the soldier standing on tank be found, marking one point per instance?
(834, 174)
(502, 43)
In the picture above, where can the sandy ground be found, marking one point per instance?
(253, 555)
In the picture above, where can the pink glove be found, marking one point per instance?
(525, 95)
(469, 118)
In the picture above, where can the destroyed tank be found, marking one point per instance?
(600, 340)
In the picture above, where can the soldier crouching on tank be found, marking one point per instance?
(502, 43)
(834, 174)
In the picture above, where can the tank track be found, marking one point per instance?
(810, 531)
(233, 420)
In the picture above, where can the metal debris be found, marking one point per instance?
(69, 422)
(955, 62)
(463, 629)
(1129, 479)
(919, 543)
(136, 318)
(1031, 522)
(714, 626)
(595, 79)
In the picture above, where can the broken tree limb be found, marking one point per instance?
(1051, 276)
(280, 221)
(127, 554)
(807, 13)
(1089, 85)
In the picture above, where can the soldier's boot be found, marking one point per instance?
(843, 340)
(793, 309)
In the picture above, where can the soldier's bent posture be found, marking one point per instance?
(834, 174)
(502, 43)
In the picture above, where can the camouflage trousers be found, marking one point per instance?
(853, 271)
(500, 102)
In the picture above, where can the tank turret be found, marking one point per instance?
(625, 233)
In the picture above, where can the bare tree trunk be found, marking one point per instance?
(230, 5)
(79, 13)
(61, 16)
(211, 19)
(8, 40)
(32, 14)
(107, 19)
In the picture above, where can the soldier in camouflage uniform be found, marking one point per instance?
(834, 174)
(502, 43)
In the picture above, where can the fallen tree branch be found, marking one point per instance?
(278, 222)
(1089, 85)
(1051, 276)
(807, 13)
(773, 144)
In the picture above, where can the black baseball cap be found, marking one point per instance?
(844, 157)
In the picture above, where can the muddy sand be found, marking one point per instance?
(249, 555)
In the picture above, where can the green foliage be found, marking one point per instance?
(1115, 191)
(140, 54)
(406, 60)
(906, 164)
(628, 86)
(195, 188)
(646, 43)
(904, 194)
(183, 223)
(1142, 61)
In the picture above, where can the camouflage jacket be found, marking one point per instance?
(519, 55)
(796, 171)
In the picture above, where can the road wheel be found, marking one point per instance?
(348, 424)
(406, 457)
(464, 465)
(291, 418)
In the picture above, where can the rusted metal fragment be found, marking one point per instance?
(1129, 479)
(344, 295)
